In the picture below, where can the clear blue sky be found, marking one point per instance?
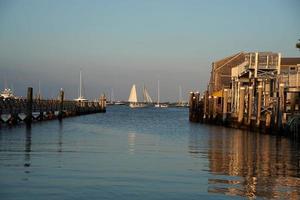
(118, 43)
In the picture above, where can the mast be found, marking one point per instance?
(112, 95)
(39, 92)
(80, 87)
(5, 83)
(144, 94)
(180, 94)
(158, 97)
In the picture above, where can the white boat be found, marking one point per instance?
(7, 94)
(133, 100)
(119, 103)
(158, 104)
(81, 98)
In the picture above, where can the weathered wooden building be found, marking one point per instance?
(254, 89)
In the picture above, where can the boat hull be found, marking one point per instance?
(137, 105)
(161, 106)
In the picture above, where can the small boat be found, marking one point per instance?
(161, 105)
(133, 101)
(109, 103)
(119, 103)
(7, 94)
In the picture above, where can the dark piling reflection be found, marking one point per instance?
(252, 165)
(60, 136)
(27, 150)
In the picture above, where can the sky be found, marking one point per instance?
(118, 43)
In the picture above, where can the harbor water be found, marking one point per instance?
(145, 153)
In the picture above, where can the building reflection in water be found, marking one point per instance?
(27, 150)
(249, 164)
(131, 142)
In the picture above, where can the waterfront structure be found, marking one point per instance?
(14, 111)
(255, 89)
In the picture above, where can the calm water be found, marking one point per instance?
(144, 154)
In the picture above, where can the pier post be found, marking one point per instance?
(102, 103)
(61, 104)
(29, 106)
(225, 104)
(205, 105)
(0, 112)
(210, 109)
(293, 102)
(250, 104)
(194, 112)
(267, 103)
(215, 101)
(281, 106)
(259, 99)
(191, 106)
(241, 105)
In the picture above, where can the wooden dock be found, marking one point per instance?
(15, 111)
(257, 91)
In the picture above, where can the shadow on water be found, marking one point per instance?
(249, 164)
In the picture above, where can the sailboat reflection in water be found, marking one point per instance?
(131, 142)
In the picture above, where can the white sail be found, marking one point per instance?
(133, 96)
(147, 98)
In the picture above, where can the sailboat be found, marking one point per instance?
(158, 104)
(146, 96)
(133, 100)
(81, 98)
(111, 102)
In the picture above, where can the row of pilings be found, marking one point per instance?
(254, 112)
(14, 111)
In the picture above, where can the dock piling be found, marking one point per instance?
(259, 103)
(29, 105)
(225, 104)
(241, 105)
(61, 104)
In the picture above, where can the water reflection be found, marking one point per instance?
(60, 136)
(252, 165)
(195, 141)
(131, 142)
(27, 149)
